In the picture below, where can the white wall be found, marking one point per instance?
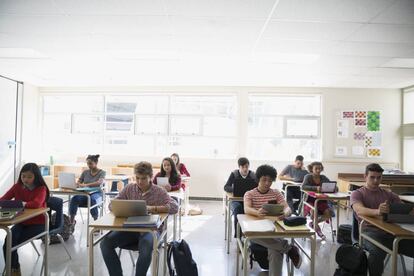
(208, 175)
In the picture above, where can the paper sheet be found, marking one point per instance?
(358, 150)
(341, 151)
(407, 226)
(263, 225)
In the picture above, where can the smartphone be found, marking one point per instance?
(5, 214)
(272, 202)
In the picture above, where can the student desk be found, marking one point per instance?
(329, 197)
(243, 245)
(25, 215)
(111, 223)
(113, 177)
(228, 198)
(70, 193)
(186, 180)
(394, 229)
(407, 198)
(180, 195)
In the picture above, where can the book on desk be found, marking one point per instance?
(143, 221)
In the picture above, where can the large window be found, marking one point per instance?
(144, 125)
(282, 126)
(408, 130)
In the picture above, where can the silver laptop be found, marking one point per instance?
(128, 208)
(328, 187)
(67, 180)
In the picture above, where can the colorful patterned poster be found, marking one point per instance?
(360, 122)
(360, 114)
(359, 136)
(374, 152)
(373, 121)
(347, 114)
(368, 141)
(375, 138)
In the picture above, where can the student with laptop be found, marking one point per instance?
(313, 182)
(168, 177)
(181, 168)
(32, 190)
(242, 180)
(93, 177)
(158, 201)
(371, 200)
(294, 172)
(254, 202)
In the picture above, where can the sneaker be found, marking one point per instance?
(294, 256)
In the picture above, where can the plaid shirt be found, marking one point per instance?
(155, 196)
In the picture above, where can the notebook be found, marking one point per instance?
(143, 221)
(262, 225)
(11, 205)
(8, 215)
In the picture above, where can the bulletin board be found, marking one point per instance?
(358, 134)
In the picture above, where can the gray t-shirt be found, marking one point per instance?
(86, 176)
(296, 174)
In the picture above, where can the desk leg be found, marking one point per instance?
(315, 213)
(175, 226)
(87, 219)
(245, 249)
(8, 250)
(179, 220)
(165, 249)
(45, 257)
(394, 256)
(90, 245)
(225, 216)
(337, 217)
(154, 253)
(228, 227)
(238, 250)
(313, 251)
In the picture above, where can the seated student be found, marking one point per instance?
(296, 173)
(169, 170)
(33, 191)
(181, 168)
(158, 201)
(253, 203)
(371, 200)
(243, 172)
(313, 182)
(94, 177)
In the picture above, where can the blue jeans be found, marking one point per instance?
(119, 239)
(377, 255)
(82, 201)
(236, 208)
(21, 233)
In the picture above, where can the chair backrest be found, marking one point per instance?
(114, 185)
(355, 228)
(56, 204)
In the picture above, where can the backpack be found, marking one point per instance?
(352, 261)
(67, 230)
(344, 234)
(258, 254)
(184, 265)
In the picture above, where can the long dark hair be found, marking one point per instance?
(38, 178)
(174, 173)
(178, 165)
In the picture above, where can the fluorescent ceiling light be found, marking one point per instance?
(269, 57)
(21, 53)
(399, 63)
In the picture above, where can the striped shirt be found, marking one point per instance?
(257, 199)
(155, 196)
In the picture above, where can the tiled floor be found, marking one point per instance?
(204, 233)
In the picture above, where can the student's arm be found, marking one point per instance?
(249, 210)
(361, 210)
(177, 184)
(166, 204)
(308, 185)
(286, 209)
(81, 179)
(97, 183)
(10, 194)
(228, 187)
(183, 170)
(39, 198)
(284, 174)
(123, 194)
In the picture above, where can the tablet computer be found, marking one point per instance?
(273, 209)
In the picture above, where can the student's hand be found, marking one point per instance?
(151, 209)
(384, 208)
(82, 185)
(261, 212)
(168, 187)
(318, 189)
(281, 217)
(24, 204)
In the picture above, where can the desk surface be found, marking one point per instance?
(279, 231)
(338, 195)
(109, 221)
(63, 191)
(407, 198)
(230, 196)
(25, 215)
(391, 228)
(116, 177)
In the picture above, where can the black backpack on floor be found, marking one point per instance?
(258, 254)
(344, 234)
(352, 261)
(184, 265)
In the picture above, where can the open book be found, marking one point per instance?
(143, 221)
(262, 225)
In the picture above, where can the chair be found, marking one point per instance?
(56, 205)
(355, 239)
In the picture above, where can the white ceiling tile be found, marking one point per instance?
(330, 10)
(371, 49)
(310, 30)
(401, 12)
(25, 7)
(294, 46)
(327, 60)
(384, 33)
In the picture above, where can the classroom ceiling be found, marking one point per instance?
(310, 43)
